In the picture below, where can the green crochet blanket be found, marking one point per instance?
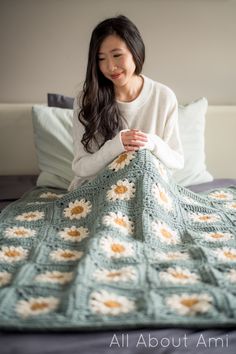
(129, 249)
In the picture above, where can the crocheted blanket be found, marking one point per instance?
(129, 249)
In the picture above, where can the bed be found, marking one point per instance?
(210, 165)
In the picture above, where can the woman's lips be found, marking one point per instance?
(116, 76)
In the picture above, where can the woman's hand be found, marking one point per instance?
(133, 139)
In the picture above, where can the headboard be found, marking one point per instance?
(220, 141)
(18, 155)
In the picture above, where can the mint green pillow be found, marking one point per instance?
(54, 145)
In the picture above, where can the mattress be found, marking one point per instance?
(166, 340)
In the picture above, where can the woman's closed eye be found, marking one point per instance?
(115, 56)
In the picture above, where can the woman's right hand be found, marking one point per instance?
(133, 139)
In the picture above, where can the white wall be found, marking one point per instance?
(190, 45)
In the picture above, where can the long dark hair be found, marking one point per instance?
(99, 112)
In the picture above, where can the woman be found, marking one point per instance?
(120, 109)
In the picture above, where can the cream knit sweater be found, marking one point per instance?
(155, 112)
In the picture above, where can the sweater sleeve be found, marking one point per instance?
(168, 148)
(85, 164)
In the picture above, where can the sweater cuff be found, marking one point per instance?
(171, 158)
(117, 144)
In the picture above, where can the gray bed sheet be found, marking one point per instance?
(161, 341)
(137, 341)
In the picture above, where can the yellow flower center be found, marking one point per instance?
(163, 197)
(233, 205)
(121, 158)
(166, 233)
(39, 306)
(189, 302)
(77, 210)
(20, 233)
(12, 253)
(53, 276)
(67, 255)
(121, 189)
(73, 233)
(112, 304)
(52, 196)
(230, 255)
(113, 274)
(120, 222)
(172, 256)
(221, 196)
(31, 215)
(117, 247)
(205, 217)
(180, 275)
(216, 235)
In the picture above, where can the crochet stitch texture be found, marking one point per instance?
(129, 249)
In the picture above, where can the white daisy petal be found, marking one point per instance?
(65, 255)
(116, 249)
(74, 234)
(231, 206)
(30, 216)
(202, 218)
(55, 277)
(19, 232)
(171, 256)
(123, 190)
(231, 276)
(78, 209)
(225, 254)
(50, 195)
(190, 304)
(179, 275)
(119, 221)
(217, 236)
(104, 303)
(161, 169)
(165, 233)
(162, 196)
(5, 278)
(36, 306)
(124, 274)
(12, 254)
(121, 161)
(221, 195)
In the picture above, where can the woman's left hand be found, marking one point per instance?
(133, 139)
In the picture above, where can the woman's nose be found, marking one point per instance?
(111, 66)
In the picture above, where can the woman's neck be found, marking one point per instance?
(131, 90)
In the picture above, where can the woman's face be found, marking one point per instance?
(116, 61)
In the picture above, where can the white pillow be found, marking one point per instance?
(192, 128)
(54, 145)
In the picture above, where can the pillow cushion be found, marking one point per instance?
(192, 128)
(60, 101)
(54, 145)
